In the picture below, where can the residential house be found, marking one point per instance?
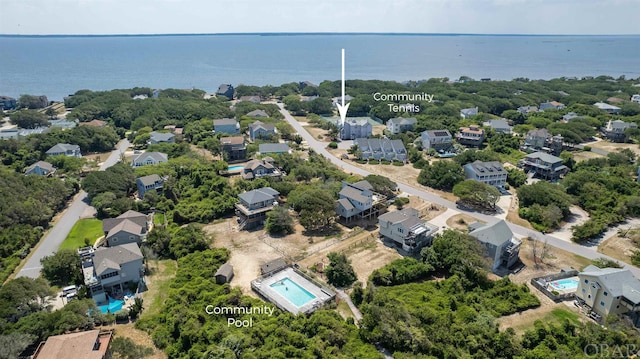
(273, 148)
(226, 125)
(472, 136)
(129, 227)
(64, 149)
(109, 271)
(469, 112)
(500, 126)
(406, 229)
(615, 130)
(225, 90)
(7, 103)
(149, 183)
(11, 133)
(261, 168)
(491, 173)
(92, 344)
(570, 116)
(254, 99)
(358, 201)
(234, 148)
(261, 130)
(40, 168)
(502, 247)
(553, 105)
(63, 124)
(338, 100)
(258, 113)
(610, 109)
(525, 110)
(224, 274)
(608, 291)
(381, 149)
(149, 158)
(401, 124)
(161, 137)
(93, 123)
(254, 205)
(440, 140)
(141, 219)
(635, 98)
(536, 139)
(543, 165)
(304, 84)
(355, 127)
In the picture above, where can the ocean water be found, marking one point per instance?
(58, 66)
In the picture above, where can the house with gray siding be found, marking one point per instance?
(358, 201)
(161, 137)
(502, 248)
(608, 291)
(401, 124)
(226, 125)
(129, 227)
(40, 168)
(149, 183)
(381, 149)
(261, 130)
(355, 127)
(64, 149)
(254, 205)
(491, 173)
(406, 230)
(149, 158)
(440, 140)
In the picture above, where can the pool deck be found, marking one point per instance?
(263, 286)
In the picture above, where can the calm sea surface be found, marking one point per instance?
(58, 66)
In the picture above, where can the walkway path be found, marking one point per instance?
(319, 147)
(61, 229)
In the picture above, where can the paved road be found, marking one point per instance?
(320, 147)
(61, 230)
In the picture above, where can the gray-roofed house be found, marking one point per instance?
(260, 168)
(406, 229)
(224, 274)
(225, 90)
(109, 270)
(258, 113)
(273, 148)
(401, 124)
(127, 231)
(40, 168)
(540, 140)
(500, 126)
(358, 201)
(525, 110)
(161, 137)
(63, 124)
(7, 103)
(543, 165)
(491, 173)
(254, 99)
(253, 206)
(381, 149)
(469, 112)
(273, 266)
(440, 140)
(570, 116)
(140, 220)
(261, 130)
(610, 109)
(615, 130)
(64, 149)
(355, 127)
(234, 148)
(608, 291)
(149, 183)
(149, 158)
(226, 125)
(502, 247)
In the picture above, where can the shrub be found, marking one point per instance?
(333, 145)
(587, 148)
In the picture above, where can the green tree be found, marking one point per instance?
(516, 177)
(340, 272)
(453, 251)
(159, 239)
(279, 221)
(477, 193)
(189, 239)
(62, 268)
(32, 102)
(382, 185)
(13, 344)
(441, 175)
(118, 179)
(28, 119)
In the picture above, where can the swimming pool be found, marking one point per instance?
(235, 168)
(565, 284)
(113, 306)
(292, 292)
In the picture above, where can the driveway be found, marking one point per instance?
(61, 229)
(518, 230)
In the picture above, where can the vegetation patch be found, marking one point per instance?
(84, 233)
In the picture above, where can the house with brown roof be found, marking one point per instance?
(92, 344)
(470, 136)
(93, 123)
(234, 148)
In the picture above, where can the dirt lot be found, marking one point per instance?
(315, 132)
(618, 247)
(613, 147)
(460, 221)
(580, 156)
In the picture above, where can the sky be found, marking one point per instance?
(580, 17)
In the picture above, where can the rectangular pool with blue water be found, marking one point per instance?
(292, 292)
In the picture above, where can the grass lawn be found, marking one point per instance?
(158, 281)
(158, 219)
(561, 315)
(89, 228)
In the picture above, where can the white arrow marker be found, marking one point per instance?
(342, 107)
